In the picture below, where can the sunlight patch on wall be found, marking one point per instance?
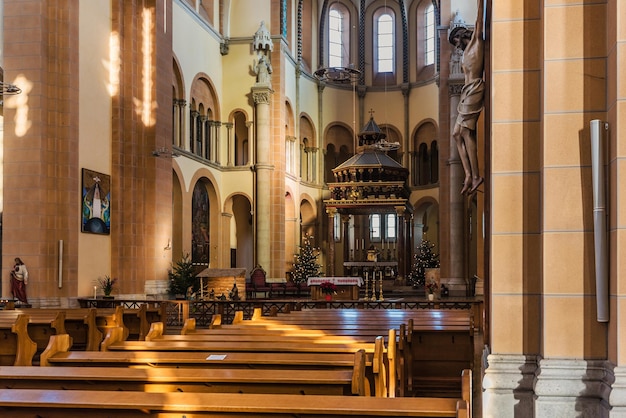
(19, 102)
(145, 108)
(113, 64)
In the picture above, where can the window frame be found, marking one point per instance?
(345, 34)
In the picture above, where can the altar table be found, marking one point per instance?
(347, 287)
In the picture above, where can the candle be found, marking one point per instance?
(357, 244)
(95, 289)
(362, 244)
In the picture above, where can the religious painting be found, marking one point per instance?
(96, 202)
(200, 244)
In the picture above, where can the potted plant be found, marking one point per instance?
(431, 288)
(182, 277)
(328, 289)
(107, 284)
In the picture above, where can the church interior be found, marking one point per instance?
(346, 154)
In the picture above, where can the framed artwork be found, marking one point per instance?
(96, 202)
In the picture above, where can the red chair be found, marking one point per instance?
(258, 283)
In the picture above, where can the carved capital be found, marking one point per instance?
(454, 89)
(261, 97)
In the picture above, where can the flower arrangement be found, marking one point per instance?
(328, 288)
(107, 284)
(431, 287)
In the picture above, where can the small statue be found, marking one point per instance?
(445, 292)
(212, 294)
(222, 297)
(234, 293)
(262, 69)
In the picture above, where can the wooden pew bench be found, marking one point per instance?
(223, 380)
(438, 345)
(302, 346)
(80, 324)
(18, 403)
(436, 357)
(17, 348)
(250, 360)
(39, 327)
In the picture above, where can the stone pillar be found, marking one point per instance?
(573, 388)
(218, 149)
(193, 130)
(400, 214)
(263, 168)
(230, 141)
(330, 265)
(182, 106)
(508, 386)
(176, 111)
(251, 156)
(345, 221)
(457, 270)
(202, 134)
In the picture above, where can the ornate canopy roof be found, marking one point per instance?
(370, 178)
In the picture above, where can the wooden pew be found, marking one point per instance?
(80, 324)
(17, 348)
(18, 403)
(249, 360)
(171, 379)
(435, 358)
(40, 325)
(302, 346)
(429, 360)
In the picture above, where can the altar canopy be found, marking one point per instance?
(370, 184)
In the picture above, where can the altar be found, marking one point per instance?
(347, 287)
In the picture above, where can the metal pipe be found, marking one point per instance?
(599, 219)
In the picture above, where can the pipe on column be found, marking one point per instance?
(599, 219)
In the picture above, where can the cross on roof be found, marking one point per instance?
(371, 113)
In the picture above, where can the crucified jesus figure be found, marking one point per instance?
(471, 101)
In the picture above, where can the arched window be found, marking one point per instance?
(338, 36)
(335, 41)
(385, 43)
(429, 35)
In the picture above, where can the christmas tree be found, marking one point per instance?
(424, 258)
(306, 264)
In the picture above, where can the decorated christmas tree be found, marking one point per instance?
(306, 264)
(424, 258)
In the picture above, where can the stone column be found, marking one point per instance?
(202, 134)
(573, 388)
(218, 149)
(345, 221)
(193, 130)
(230, 147)
(508, 386)
(251, 156)
(330, 265)
(182, 106)
(176, 111)
(457, 272)
(401, 220)
(263, 168)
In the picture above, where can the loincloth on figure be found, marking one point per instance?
(471, 103)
